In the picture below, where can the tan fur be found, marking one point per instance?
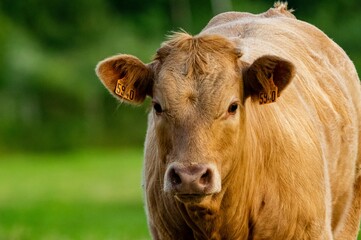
(290, 169)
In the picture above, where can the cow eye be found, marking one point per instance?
(157, 108)
(232, 109)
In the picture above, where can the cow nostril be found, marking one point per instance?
(206, 177)
(174, 177)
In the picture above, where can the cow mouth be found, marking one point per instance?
(191, 198)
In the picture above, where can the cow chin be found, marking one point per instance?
(192, 199)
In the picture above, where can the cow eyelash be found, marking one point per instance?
(157, 108)
(232, 109)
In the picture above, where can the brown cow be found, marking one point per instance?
(222, 164)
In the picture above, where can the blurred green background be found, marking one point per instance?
(70, 155)
(50, 98)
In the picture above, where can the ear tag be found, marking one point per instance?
(122, 91)
(271, 95)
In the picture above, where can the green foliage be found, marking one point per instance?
(78, 195)
(50, 98)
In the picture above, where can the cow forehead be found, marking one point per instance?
(196, 57)
(199, 95)
(183, 80)
(196, 73)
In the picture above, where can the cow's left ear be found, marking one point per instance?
(126, 77)
(264, 72)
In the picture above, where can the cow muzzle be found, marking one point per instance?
(192, 180)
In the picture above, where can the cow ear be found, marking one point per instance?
(126, 77)
(265, 73)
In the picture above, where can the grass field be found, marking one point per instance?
(84, 195)
(87, 195)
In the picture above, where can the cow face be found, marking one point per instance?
(198, 87)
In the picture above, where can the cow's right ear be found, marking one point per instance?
(126, 77)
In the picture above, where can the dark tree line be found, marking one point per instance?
(50, 98)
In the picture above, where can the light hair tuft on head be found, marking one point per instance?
(282, 7)
(197, 47)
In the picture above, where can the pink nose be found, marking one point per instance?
(193, 179)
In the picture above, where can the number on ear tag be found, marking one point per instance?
(268, 97)
(122, 91)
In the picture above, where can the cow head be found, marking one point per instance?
(198, 86)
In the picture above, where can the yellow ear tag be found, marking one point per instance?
(270, 96)
(122, 91)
